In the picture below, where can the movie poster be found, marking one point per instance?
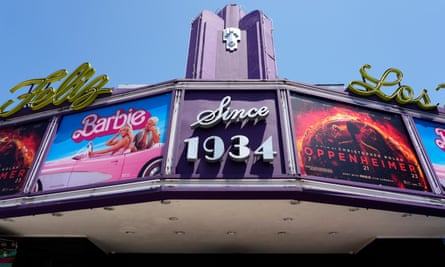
(349, 143)
(18, 148)
(432, 135)
(114, 143)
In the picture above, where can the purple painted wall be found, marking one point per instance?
(209, 58)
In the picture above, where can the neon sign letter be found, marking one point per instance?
(210, 118)
(74, 89)
(403, 94)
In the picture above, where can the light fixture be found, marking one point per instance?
(294, 202)
(353, 209)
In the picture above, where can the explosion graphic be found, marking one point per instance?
(343, 143)
(18, 147)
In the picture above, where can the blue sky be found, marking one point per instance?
(146, 42)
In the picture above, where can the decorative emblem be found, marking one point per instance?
(231, 36)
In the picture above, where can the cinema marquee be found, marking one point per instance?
(225, 130)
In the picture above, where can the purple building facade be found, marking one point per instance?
(243, 162)
(231, 45)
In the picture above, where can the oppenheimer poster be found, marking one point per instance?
(18, 148)
(349, 143)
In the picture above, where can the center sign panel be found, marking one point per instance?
(229, 134)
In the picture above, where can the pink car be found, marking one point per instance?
(84, 170)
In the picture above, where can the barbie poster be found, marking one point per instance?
(114, 143)
(432, 135)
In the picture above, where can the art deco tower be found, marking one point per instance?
(231, 45)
